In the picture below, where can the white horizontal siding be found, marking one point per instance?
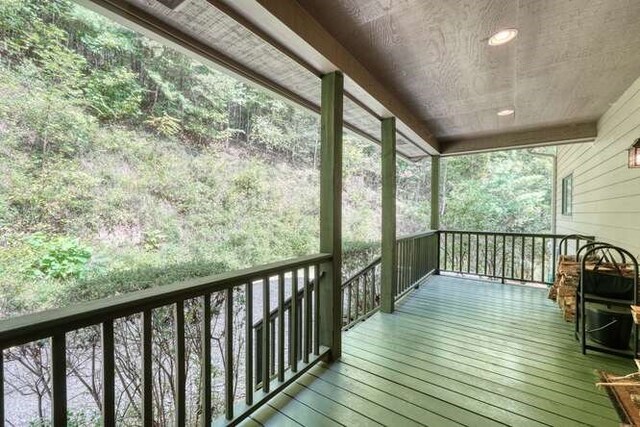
(606, 193)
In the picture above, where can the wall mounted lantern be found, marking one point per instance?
(634, 154)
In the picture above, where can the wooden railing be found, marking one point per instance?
(361, 294)
(284, 351)
(520, 257)
(417, 256)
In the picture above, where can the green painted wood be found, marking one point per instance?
(329, 291)
(483, 351)
(250, 422)
(248, 349)
(293, 323)
(180, 363)
(466, 333)
(228, 354)
(396, 411)
(388, 266)
(462, 352)
(337, 412)
(108, 376)
(435, 192)
(449, 391)
(266, 334)
(205, 362)
(270, 417)
(546, 396)
(355, 403)
(307, 295)
(412, 394)
(58, 380)
(299, 412)
(31, 327)
(281, 328)
(147, 370)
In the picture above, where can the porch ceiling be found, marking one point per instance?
(570, 61)
(425, 62)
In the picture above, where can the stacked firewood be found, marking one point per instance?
(563, 290)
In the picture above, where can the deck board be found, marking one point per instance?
(456, 352)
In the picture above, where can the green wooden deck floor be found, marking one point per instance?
(456, 352)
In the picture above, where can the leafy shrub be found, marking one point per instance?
(62, 257)
(114, 94)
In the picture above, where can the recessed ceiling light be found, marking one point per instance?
(506, 112)
(502, 37)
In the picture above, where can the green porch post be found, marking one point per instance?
(435, 205)
(389, 263)
(435, 192)
(331, 212)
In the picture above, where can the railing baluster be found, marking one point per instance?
(513, 257)
(533, 260)
(373, 288)
(365, 293)
(544, 258)
(108, 375)
(477, 253)
(266, 329)
(316, 311)
(357, 299)
(281, 327)
(205, 362)
(522, 240)
(504, 256)
(486, 253)
(248, 366)
(59, 380)
(453, 251)
(446, 237)
(553, 262)
(293, 315)
(272, 346)
(2, 420)
(493, 270)
(228, 353)
(147, 370)
(349, 290)
(307, 316)
(461, 251)
(180, 374)
(468, 252)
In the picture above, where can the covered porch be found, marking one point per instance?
(455, 352)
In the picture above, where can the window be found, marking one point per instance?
(567, 195)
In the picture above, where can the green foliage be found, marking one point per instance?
(114, 94)
(62, 257)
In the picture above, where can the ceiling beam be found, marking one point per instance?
(298, 20)
(554, 135)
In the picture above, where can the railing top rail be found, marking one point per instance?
(31, 327)
(499, 233)
(416, 235)
(368, 267)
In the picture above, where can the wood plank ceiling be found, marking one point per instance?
(570, 61)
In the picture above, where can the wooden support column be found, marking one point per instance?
(331, 212)
(435, 192)
(389, 262)
(435, 205)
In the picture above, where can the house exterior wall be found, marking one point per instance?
(606, 193)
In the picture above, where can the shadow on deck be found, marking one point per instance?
(456, 352)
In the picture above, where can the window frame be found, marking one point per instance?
(567, 195)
